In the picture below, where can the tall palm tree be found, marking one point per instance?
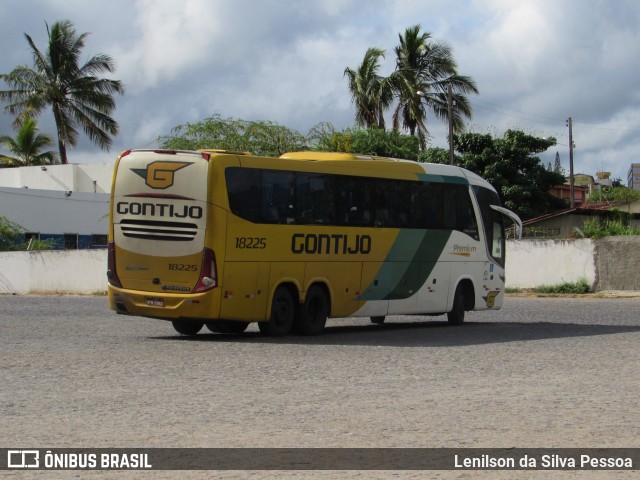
(75, 93)
(371, 93)
(27, 146)
(424, 70)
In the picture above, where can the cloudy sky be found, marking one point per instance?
(535, 62)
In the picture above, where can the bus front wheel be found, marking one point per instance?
(186, 328)
(282, 311)
(456, 315)
(312, 314)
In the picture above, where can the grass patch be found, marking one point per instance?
(579, 287)
(598, 228)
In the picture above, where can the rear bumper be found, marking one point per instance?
(169, 306)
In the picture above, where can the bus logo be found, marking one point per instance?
(23, 458)
(491, 299)
(160, 175)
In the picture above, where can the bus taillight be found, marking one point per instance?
(208, 273)
(112, 275)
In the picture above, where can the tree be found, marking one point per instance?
(364, 141)
(557, 168)
(12, 238)
(257, 137)
(76, 95)
(434, 155)
(323, 137)
(429, 68)
(27, 146)
(617, 194)
(11, 235)
(371, 93)
(510, 164)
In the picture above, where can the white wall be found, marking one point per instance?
(65, 271)
(70, 177)
(53, 212)
(531, 263)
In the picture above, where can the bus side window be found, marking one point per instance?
(498, 239)
(277, 197)
(243, 187)
(493, 223)
(382, 204)
(401, 204)
(466, 217)
(350, 199)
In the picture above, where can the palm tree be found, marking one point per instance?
(424, 70)
(370, 92)
(27, 146)
(75, 93)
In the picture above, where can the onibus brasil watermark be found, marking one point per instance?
(320, 459)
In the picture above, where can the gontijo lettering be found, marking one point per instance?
(324, 243)
(159, 210)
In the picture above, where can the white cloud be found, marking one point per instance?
(168, 41)
(536, 62)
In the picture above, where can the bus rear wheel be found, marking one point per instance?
(311, 316)
(227, 326)
(456, 315)
(282, 312)
(187, 328)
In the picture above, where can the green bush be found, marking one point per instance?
(11, 235)
(12, 238)
(597, 228)
(579, 287)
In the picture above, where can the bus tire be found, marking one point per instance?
(282, 313)
(311, 316)
(378, 320)
(186, 328)
(456, 315)
(227, 326)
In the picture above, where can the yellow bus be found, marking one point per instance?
(223, 239)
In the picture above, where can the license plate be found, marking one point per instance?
(155, 302)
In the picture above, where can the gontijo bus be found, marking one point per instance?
(222, 239)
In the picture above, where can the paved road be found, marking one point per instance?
(554, 372)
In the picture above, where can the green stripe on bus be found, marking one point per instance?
(408, 265)
(450, 179)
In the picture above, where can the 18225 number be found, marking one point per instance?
(251, 242)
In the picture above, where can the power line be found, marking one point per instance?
(505, 110)
(25, 192)
(548, 120)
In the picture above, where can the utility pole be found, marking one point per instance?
(450, 111)
(572, 202)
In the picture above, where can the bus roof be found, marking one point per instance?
(329, 156)
(352, 162)
(429, 168)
